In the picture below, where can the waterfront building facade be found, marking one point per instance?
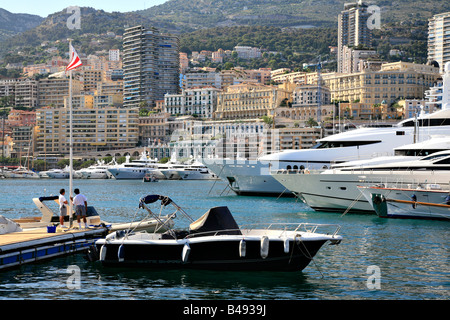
(247, 101)
(395, 81)
(94, 129)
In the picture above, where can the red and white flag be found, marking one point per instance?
(75, 60)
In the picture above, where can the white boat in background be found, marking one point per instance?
(98, 171)
(171, 172)
(21, 172)
(196, 171)
(135, 169)
(422, 201)
(58, 173)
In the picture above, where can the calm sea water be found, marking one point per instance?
(412, 256)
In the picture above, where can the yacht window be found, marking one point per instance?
(288, 167)
(340, 144)
(427, 123)
(343, 188)
(443, 161)
(400, 133)
(434, 156)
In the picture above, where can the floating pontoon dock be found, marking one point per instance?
(37, 244)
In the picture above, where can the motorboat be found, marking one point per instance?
(196, 171)
(21, 172)
(50, 217)
(421, 201)
(215, 241)
(337, 189)
(252, 176)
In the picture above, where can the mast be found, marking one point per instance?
(70, 141)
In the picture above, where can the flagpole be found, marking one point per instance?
(70, 142)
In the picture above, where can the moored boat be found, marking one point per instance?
(215, 241)
(49, 217)
(424, 201)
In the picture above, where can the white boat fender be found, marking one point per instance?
(264, 247)
(286, 245)
(120, 252)
(103, 253)
(186, 251)
(242, 248)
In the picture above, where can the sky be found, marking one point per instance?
(45, 7)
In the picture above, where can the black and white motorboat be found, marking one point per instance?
(215, 241)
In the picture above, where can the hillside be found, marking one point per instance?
(197, 14)
(284, 26)
(14, 23)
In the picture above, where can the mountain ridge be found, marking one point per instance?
(14, 23)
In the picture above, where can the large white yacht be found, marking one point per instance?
(337, 190)
(97, 171)
(135, 169)
(252, 177)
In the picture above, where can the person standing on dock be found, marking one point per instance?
(62, 207)
(80, 204)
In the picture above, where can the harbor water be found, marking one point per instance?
(378, 259)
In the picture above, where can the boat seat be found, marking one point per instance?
(179, 234)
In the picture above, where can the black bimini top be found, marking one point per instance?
(217, 220)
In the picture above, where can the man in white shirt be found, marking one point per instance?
(80, 205)
(62, 207)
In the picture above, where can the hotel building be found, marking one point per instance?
(248, 101)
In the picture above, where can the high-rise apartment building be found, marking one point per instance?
(353, 30)
(439, 39)
(151, 65)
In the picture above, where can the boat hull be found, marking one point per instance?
(248, 178)
(398, 203)
(340, 193)
(212, 255)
